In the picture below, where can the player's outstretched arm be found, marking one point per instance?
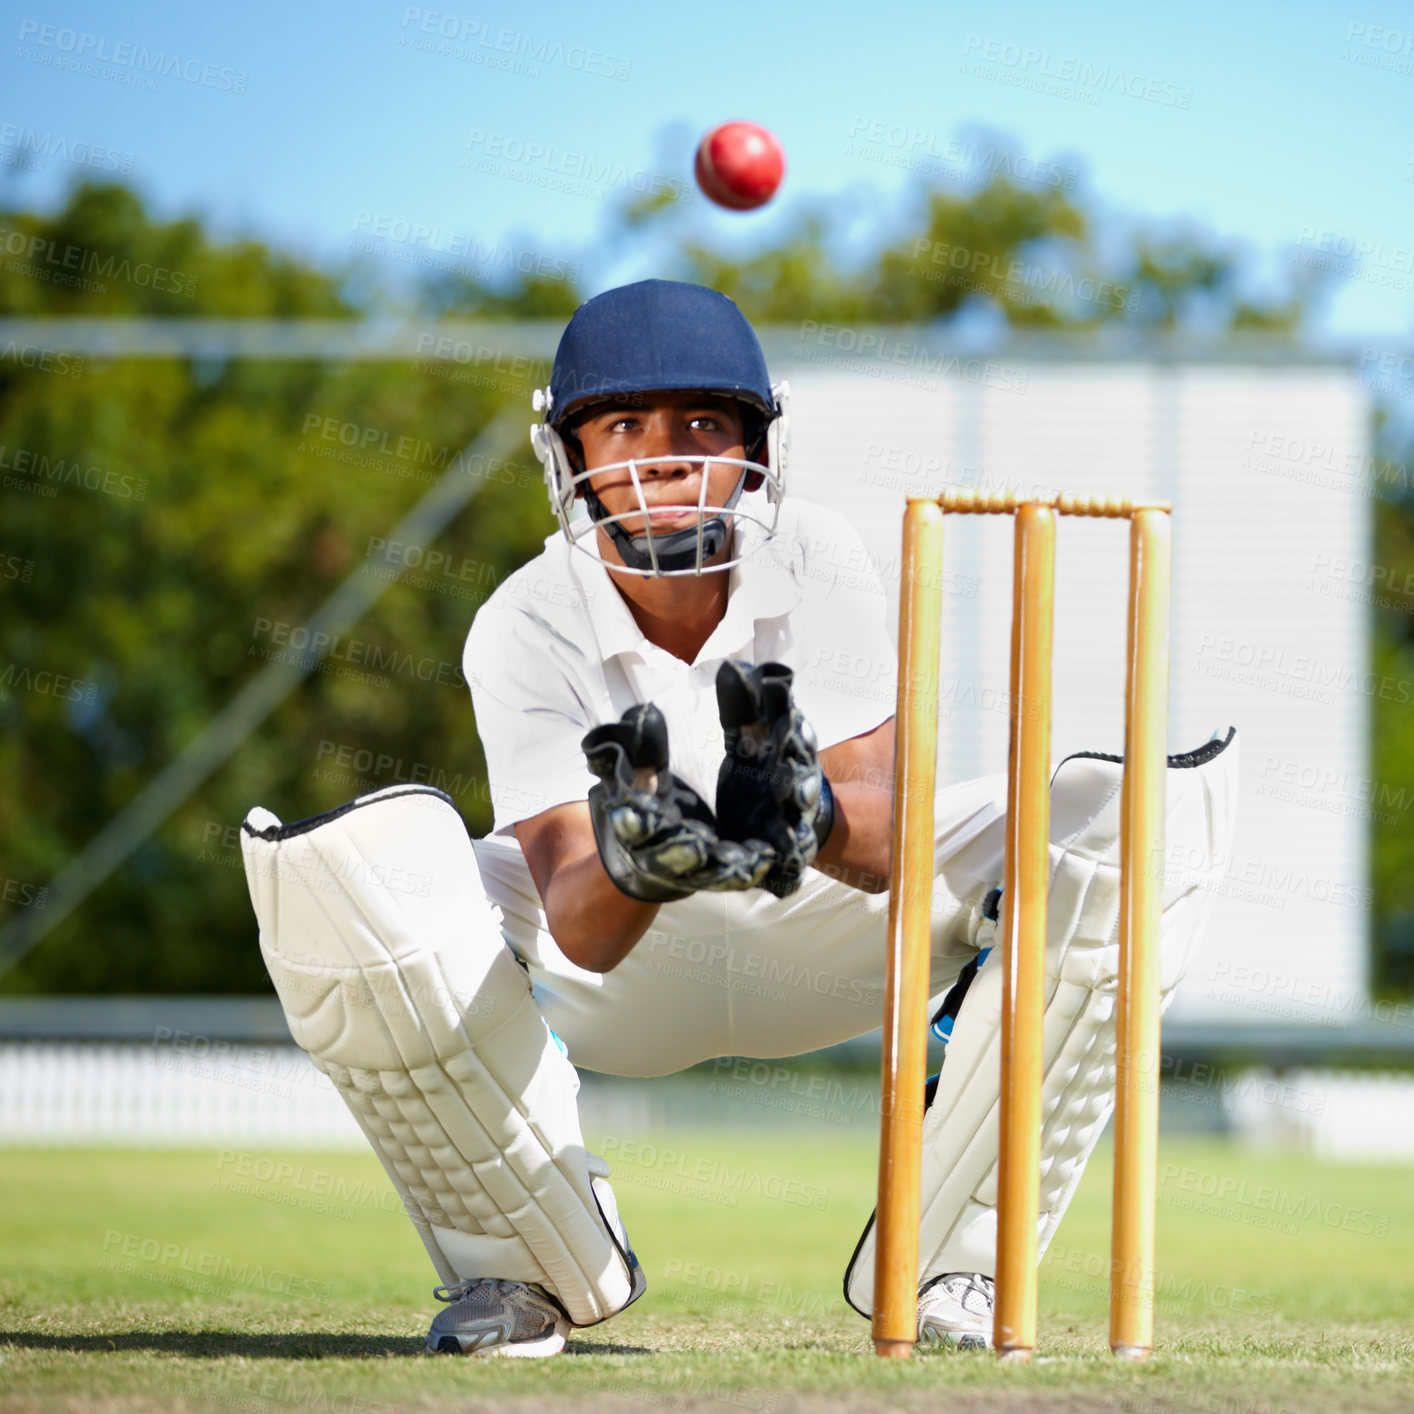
(644, 838)
(592, 921)
(859, 848)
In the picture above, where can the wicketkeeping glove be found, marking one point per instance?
(657, 837)
(770, 786)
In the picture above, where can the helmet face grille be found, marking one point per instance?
(684, 549)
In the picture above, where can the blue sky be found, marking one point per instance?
(486, 124)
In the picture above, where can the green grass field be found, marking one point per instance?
(140, 1280)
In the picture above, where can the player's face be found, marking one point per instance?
(658, 435)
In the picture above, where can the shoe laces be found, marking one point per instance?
(961, 1285)
(964, 1284)
(459, 1290)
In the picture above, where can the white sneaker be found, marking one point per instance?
(489, 1317)
(956, 1309)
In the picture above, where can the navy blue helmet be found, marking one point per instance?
(653, 337)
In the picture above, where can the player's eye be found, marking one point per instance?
(705, 422)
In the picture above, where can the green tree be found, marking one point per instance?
(168, 521)
(1392, 765)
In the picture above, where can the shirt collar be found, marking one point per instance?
(763, 586)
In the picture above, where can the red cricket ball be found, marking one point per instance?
(740, 165)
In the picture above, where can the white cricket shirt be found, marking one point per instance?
(555, 651)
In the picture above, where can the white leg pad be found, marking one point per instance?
(961, 1129)
(393, 974)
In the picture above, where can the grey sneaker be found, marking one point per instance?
(956, 1309)
(489, 1317)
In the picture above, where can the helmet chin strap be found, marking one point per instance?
(678, 549)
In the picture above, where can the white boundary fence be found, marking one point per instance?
(204, 1093)
(213, 1094)
(1335, 1114)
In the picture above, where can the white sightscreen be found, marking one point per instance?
(1265, 466)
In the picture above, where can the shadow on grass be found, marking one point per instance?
(278, 1345)
(301, 1345)
(580, 1347)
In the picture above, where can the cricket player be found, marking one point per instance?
(686, 708)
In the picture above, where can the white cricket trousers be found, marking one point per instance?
(748, 974)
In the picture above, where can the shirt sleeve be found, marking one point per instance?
(530, 716)
(847, 669)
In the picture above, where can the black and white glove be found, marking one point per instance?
(657, 838)
(770, 787)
